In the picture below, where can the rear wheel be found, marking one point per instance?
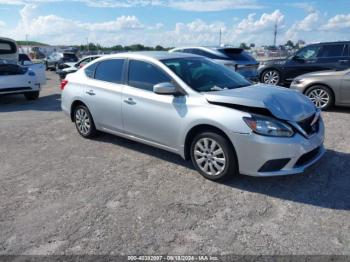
(271, 77)
(32, 95)
(321, 96)
(84, 122)
(213, 156)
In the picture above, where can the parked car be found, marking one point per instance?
(311, 58)
(56, 60)
(234, 58)
(325, 88)
(15, 79)
(196, 108)
(68, 68)
(39, 69)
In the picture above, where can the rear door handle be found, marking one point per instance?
(130, 101)
(90, 92)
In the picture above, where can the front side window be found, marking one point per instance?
(307, 53)
(110, 71)
(334, 50)
(144, 75)
(204, 75)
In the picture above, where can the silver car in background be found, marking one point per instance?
(196, 108)
(325, 88)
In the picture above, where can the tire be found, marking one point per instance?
(271, 77)
(321, 96)
(84, 122)
(205, 159)
(32, 95)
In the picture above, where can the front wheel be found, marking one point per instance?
(84, 122)
(321, 96)
(271, 77)
(213, 156)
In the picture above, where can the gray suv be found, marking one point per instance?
(196, 108)
(236, 59)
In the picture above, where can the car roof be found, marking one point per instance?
(327, 43)
(158, 55)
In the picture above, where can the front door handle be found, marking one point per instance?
(130, 101)
(91, 92)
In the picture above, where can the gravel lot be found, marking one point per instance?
(62, 194)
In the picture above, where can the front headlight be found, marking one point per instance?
(268, 126)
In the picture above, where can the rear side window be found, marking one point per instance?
(90, 70)
(144, 75)
(333, 50)
(110, 71)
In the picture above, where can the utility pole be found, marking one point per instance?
(275, 34)
(220, 37)
(27, 44)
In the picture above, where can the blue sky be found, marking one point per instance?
(174, 23)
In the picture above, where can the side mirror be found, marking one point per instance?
(166, 88)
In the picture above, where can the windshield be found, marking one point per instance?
(204, 76)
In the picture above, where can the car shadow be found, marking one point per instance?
(15, 103)
(327, 185)
(339, 109)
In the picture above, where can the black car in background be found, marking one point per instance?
(314, 57)
(56, 60)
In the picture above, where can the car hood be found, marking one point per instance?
(282, 103)
(70, 64)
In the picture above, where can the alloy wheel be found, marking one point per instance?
(271, 77)
(209, 156)
(83, 121)
(319, 97)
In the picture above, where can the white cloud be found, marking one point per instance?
(307, 7)
(188, 5)
(121, 23)
(310, 23)
(2, 24)
(211, 5)
(266, 22)
(338, 22)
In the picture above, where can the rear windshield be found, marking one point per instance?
(236, 54)
(70, 57)
(7, 47)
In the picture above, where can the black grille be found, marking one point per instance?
(307, 127)
(307, 157)
(274, 165)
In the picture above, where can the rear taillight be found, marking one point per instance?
(64, 82)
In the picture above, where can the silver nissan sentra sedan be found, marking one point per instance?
(198, 109)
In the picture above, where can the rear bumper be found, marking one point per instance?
(253, 151)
